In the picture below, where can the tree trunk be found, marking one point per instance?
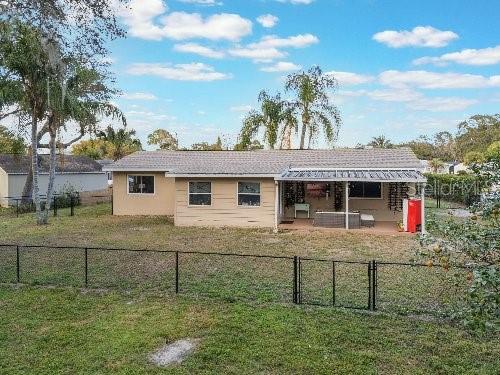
(28, 185)
(34, 166)
(52, 174)
(305, 123)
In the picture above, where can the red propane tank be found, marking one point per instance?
(414, 215)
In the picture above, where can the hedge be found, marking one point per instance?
(464, 189)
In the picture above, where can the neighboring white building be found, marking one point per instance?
(76, 173)
(104, 163)
(459, 168)
(445, 169)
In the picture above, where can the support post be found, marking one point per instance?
(369, 285)
(374, 285)
(55, 205)
(72, 205)
(295, 280)
(18, 271)
(346, 188)
(176, 272)
(17, 207)
(276, 205)
(86, 267)
(333, 283)
(422, 197)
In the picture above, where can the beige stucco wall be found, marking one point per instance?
(162, 202)
(224, 210)
(4, 188)
(376, 207)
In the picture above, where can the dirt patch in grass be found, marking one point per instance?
(174, 353)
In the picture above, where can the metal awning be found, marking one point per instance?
(374, 175)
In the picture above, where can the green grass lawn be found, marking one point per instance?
(56, 331)
(130, 308)
(401, 289)
(94, 226)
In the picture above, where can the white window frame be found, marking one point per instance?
(141, 175)
(238, 194)
(189, 194)
(365, 198)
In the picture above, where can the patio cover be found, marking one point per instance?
(374, 175)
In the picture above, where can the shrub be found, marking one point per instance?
(461, 188)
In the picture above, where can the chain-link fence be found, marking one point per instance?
(393, 287)
(60, 204)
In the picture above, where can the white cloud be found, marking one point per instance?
(282, 66)
(179, 72)
(394, 95)
(202, 2)
(297, 41)
(431, 80)
(138, 15)
(420, 36)
(147, 19)
(240, 108)
(181, 25)
(441, 104)
(258, 54)
(199, 50)
(269, 47)
(139, 96)
(484, 56)
(267, 20)
(413, 99)
(348, 78)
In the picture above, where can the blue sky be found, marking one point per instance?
(405, 68)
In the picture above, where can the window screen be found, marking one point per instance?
(200, 193)
(141, 184)
(248, 194)
(365, 190)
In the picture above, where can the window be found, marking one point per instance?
(249, 194)
(365, 190)
(141, 184)
(200, 193)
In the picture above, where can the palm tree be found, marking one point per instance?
(436, 164)
(313, 104)
(275, 116)
(123, 141)
(380, 142)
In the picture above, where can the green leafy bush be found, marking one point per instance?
(462, 188)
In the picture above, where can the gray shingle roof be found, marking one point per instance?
(264, 161)
(18, 164)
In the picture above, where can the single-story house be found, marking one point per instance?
(265, 188)
(75, 173)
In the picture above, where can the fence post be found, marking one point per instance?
(176, 272)
(374, 285)
(18, 273)
(86, 267)
(55, 205)
(112, 208)
(333, 283)
(295, 280)
(369, 285)
(71, 203)
(17, 207)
